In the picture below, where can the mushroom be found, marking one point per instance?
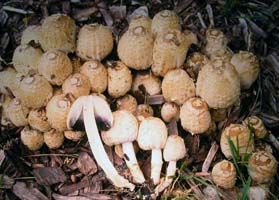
(143, 111)
(7, 81)
(151, 83)
(257, 126)
(31, 138)
(127, 102)
(195, 62)
(140, 20)
(135, 48)
(153, 135)
(53, 139)
(170, 111)
(4, 104)
(74, 135)
(219, 115)
(37, 119)
(17, 112)
(94, 42)
(31, 33)
(174, 150)
(124, 131)
(216, 42)
(260, 192)
(84, 113)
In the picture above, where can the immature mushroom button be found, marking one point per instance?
(124, 131)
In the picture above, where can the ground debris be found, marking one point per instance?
(21, 190)
(49, 175)
(86, 164)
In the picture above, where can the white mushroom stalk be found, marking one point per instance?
(83, 112)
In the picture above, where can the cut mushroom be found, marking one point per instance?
(84, 113)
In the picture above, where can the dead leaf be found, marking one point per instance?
(118, 12)
(23, 192)
(143, 11)
(86, 164)
(49, 175)
(6, 182)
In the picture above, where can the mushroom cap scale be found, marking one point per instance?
(216, 42)
(53, 139)
(151, 83)
(37, 119)
(258, 126)
(31, 138)
(174, 149)
(7, 80)
(17, 112)
(127, 102)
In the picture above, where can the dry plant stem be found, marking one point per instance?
(156, 165)
(168, 180)
(132, 163)
(98, 148)
(210, 156)
(271, 138)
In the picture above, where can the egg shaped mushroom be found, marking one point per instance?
(58, 33)
(37, 120)
(216, 42)
(97, 74)
(140, 20)
(74, 135)
(144, 111)
(31, 138)
(240, 137)
(170, 111)
(53, 139)
(195, 116)
(224, 174)
(177, 86)
(7, 80)
(195, 62)
(127, 102)
(17, 112)
(247, 66)
(257, 125)
(218, 84)
(151, 83)
(32, 33)
(94, 42)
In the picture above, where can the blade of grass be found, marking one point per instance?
(246, 189)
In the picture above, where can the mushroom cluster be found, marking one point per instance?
(57, 96)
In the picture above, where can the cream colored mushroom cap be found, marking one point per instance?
(174, 149)
(37, 120)
(53, 139)
(7, 79)
(31, 138)
(74, 135)
(170, 111)
(257, 124)
(153, 134)
(31, 33)
(127, 102)
(143, 111)
(216, 42)
(124, 129)
(151, 83)
(224, 174)
(17, 112)
(140, 20)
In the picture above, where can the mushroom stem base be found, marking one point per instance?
(168, 179)
(156, 165)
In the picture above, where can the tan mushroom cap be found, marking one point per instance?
(37, 119)
(17, 112)
(119, 80)
(135, 48)
(218, 84)
(262, 167)
(32, 33)
(140, 20)
(196, 61)
(26, 58)
(57, 110)
(241, 138)
(74, 135)
(170, 49)
(97, 74)
(55, 66)
(216, 42)
(58, 33)
(94, 42)
(165, 20)
(257, 125)
(144, 111)
(34, 91)
(54, 139)
(124, 129)
(195, 116)
(224, 174)
(127, 102)
(7, 80)
(151, 83)
(177, 86)
(77, 84)
(170, 111)
(31, 138)
(248, 67)
(174, 149)
(152, 134)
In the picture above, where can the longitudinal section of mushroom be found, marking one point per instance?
(84, 113)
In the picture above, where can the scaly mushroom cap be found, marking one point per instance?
(165, 20)
(177, 86)
(127, 102)
(216, 42)
(26, 59)
(119, 80)
(37, 119)
(144, 111)
(140, 20)
(170, 49)
(34, 91)
(74, 135)
(151, 83)
(55, 66)
(174, 149)
(152, 134)
(257, 126)
(241, 138)
(7, 80)
(31, 138)
(95, 42)
(218, 115)
(218, 84)
(58, 33)
(97, 74)
(170, 111)
(248, 67)
(124, 129)
(223, 55)
(196, 61)
(262, 167)
(31, 33)
(224, 174)
(195, 116)
(135, 48)
(17, 112)
(53, 139)
(76, 84)
(57, 110)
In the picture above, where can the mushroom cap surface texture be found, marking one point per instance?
(257, 125)
(151, 83)
(7, 80)
(140, 20)
(17, 112)
(170, 111)
(31, 138)
(174, 149)
(37, 120)
(127, 102)
(216, 42)
(143, 111)
(31, 33)
(53, 139)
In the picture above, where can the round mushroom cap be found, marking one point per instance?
(127, 102)
(74, 135)
(224, 174)
(170, 111)
(196, 61)
(257, 125)
(247, 66)
(165, 20)
(124, 129)
(7, 80)
(143, 111)
(58, 33)
(53, 139)
(151, 83)
(140, 20)
(97, 74)
(153, 134)
(33, 139)
(135, 48)
(174, 149)
(37, 120)
(26, 59)
(31, 33)
(218, 84)
(55, 66)
(177, 86)
(94, 42)
(195, 116)
(17, 112)
(216, 42)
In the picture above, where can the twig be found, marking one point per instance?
(272, 139)
(52, 154)
(210, 14)
(156, 99)
(84, 13)
(209, 158)
(201, 20)
(16, 10)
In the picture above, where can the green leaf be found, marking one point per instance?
(246, 189)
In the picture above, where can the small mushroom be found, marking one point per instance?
(7, 81)
(216, 42)
(140, 20)
(260, 192)
(32, 33)
(84, 113)
(153, 135)
(53, 139)
(144, 111)
(17, 112)
(37, 119)
(257, 125)
(31, 138)
(195, 62)
(74, 135)
(170, 111)
(127, 102)
(124, 131)
(151, 83)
